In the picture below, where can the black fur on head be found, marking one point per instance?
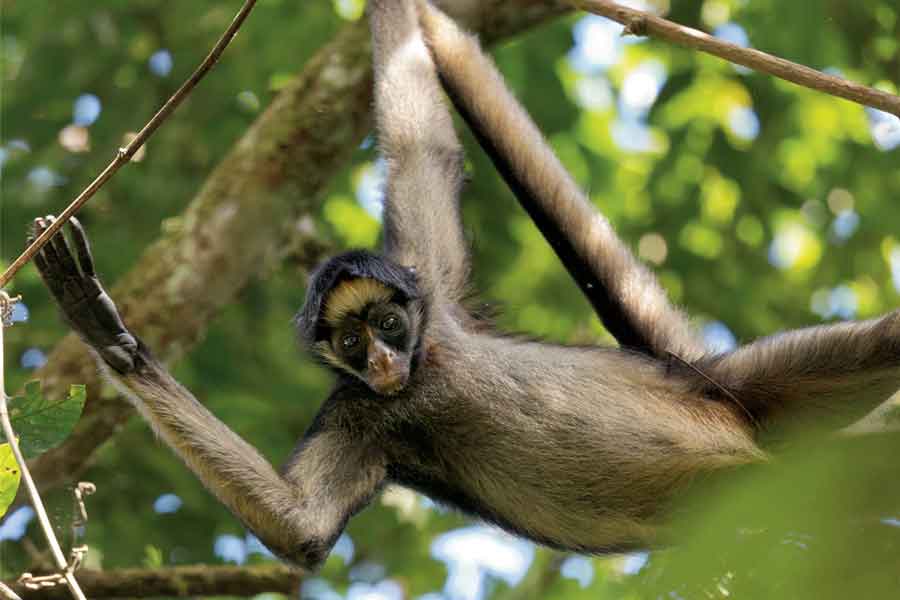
(349, 265)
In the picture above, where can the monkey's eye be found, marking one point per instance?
(350, 341)
(390, 323)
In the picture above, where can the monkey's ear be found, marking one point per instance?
(307, 318)
(305, 321)
(321, 281)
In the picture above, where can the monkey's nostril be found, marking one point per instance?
(382, 362)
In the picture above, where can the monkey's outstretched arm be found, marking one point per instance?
(624, 293)
(825, 377)
(424, 158)
(299, 513)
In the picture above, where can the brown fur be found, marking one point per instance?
(324, 351)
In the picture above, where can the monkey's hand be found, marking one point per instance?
(83, 301)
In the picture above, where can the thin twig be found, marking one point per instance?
(58, 557)
(80, 518)
(7, 593)
(125, 154)
(641, 23)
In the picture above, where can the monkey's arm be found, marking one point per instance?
(424, 158)
(623, 292)
(824, 377)
(298, 514)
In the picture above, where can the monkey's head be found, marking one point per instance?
(363, 315)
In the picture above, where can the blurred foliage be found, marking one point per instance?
(787, 224)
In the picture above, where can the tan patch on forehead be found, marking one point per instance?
(351, 296)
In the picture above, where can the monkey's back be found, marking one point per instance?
(585, 460)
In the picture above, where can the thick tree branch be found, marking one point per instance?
(238, 225)
(175, 582)
(642, 23)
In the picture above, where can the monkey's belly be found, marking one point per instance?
(559, 513)
(561, 491)
(599, 493)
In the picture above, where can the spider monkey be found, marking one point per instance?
(578, 448)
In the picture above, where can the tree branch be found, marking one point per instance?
(642, 23)
(239, 224)
(177, 582)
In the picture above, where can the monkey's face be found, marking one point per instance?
(375, 344)
(372, 333)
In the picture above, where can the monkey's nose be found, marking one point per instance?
(382, 361)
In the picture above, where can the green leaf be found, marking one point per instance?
(40, 423)
(9, 477)
(153, 557)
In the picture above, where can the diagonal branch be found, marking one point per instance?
(641, 23)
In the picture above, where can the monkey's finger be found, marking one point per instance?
(82, 247)
(50, 256)
(61, 274)
(39, 261)
(66, 260)
(51, 280)
(109, 321)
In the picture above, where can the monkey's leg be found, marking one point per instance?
(415, 132)
(298, 515)
(823, 377)
(624, 293)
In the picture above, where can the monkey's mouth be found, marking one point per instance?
(388, 383)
